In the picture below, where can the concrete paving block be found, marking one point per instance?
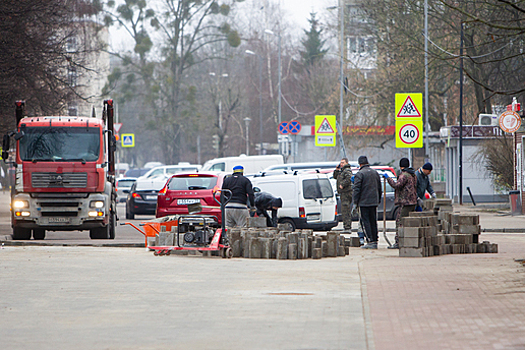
(432, 220)
(282, 249)
(255, 249)
(411, 222)
(341, 250)
(466, 219)
(347, 250)
(266, 248)
(492, 248)
(412, 252)
(292, 251)
(310, 245)
(400, 231)
(354, 242)
(409, 242)
(448, 208)
(470, 229)
(411, 232)
(324, 248)
(438, 249)
(317, 253)
(475, 238)
(332, 241)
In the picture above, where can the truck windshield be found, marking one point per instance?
(60, 144)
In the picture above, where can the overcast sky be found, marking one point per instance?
(300, 9)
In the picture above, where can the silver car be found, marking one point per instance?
(123, 186)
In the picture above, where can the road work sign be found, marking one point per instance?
(325, 129)
(409, 105)
(128, 140)
(409, 133)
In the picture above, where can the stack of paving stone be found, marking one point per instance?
(276, 243)
(439, 231)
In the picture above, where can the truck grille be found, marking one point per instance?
(55, 180)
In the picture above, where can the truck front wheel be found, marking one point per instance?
(20, 233)
(39, 234)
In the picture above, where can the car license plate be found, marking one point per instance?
(188, 201)
(313, 217)
(150, 197)
(59, 220)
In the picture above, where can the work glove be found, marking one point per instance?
(385, 175)
(352, 178)
(434, 195)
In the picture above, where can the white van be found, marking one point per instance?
(305, 166)
(251, 164)
(308, 199)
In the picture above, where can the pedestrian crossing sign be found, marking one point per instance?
(325, 129)
(409, 105)
(128, 140)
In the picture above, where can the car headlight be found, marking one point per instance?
(96, 204)
(19, 204)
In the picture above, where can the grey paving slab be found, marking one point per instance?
(126, 298)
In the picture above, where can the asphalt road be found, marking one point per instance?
(124, 234)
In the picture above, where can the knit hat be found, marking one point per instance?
(404, 163)
(427, 166)
(238, 169)
(277, 203)
(362, 160)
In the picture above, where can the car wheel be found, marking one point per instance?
(129, 215)
(39, 234)
(21, 233)
(289, 224)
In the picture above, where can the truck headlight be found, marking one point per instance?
(19, 204)
(96, 204)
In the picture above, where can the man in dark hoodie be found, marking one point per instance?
(406, 194)
(264, 201)
(236, 210)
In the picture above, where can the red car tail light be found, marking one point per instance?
(163, 191)
(135, 195)
(302, 213)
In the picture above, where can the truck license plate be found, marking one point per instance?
(59, 220)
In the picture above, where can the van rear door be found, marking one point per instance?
(319, 200)
(284, 189)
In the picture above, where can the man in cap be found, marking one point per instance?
(406, 194)
(264, 201)
(367, 195)
(343, 175)
(423, 184)
(236, 210)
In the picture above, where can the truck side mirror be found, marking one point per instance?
(19, 135)
(5, 147)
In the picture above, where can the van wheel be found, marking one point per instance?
(289, 224)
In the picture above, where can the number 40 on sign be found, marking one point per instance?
(409, 133)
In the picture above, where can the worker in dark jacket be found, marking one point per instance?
(423, 185)
(367, 196)
(406, 194)
(264, 201)
(343, 175)
(236, 211)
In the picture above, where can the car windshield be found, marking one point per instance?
(60, 144)
(317, 188)
(125, 183)
(180, 183)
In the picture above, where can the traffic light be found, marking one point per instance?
(215, 142)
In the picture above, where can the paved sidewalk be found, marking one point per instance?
(468, 301)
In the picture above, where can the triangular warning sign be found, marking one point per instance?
(409, 109)
(325, 127)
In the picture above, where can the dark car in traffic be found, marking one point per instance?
(141, 200)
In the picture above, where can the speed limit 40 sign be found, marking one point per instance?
(409, 133)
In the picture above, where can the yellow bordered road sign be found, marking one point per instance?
(409, 105)
(128, 140)
(325, 130)
(409, 133)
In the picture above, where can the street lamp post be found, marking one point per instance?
(267, 31)
(341, 10)
(249, 52)
(247, 121)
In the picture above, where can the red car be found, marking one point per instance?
(190, 188)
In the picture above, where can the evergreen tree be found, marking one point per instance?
(313, 45)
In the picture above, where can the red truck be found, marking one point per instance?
(64, 174)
